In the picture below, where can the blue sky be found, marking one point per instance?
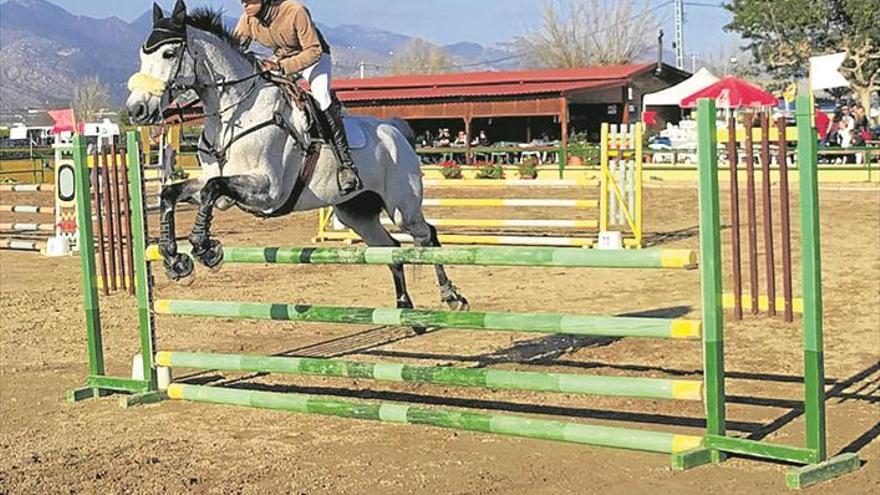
(442, 21)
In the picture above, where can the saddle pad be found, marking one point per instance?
(357, 139)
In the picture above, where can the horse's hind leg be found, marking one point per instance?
(425, 235)
(365, 222)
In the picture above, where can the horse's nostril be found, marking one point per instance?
(138, 111)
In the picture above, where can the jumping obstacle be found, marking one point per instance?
(687, 451)
(26, 227)
(756, 302)
(618, 200)
(112, 216)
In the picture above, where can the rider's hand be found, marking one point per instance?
(270, 65)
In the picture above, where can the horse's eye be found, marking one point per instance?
(169, 54)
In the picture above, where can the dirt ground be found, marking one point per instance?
(47, 446)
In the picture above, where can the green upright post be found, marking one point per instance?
(710, 267)
(86, 244)
(814, 365)
(143, 280)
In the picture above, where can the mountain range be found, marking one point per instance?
(45, 51)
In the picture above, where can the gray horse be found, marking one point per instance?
(256, 145)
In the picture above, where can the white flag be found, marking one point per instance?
(825, 72)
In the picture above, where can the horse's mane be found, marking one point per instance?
(211, 20)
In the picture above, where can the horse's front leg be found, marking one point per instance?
(178, 267)
(241, 189)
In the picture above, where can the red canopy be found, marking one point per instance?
(731, 92)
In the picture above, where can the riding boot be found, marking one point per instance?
(346, 175)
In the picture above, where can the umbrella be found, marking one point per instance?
(731, 92)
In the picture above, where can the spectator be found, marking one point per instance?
(461, 140)
(481, 140)
(856, 138)
(862, 124)
(823, 125)
(444, 139)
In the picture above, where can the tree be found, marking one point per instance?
(419, 57)
(92, 96)
(783, 34)
(581, 33)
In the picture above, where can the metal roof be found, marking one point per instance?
(476, 90)
(477, 84)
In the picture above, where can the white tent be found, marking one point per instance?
(673, 96)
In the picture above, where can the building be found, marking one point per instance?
(516, 106)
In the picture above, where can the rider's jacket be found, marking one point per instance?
(286, 27)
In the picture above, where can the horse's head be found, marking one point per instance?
(167, 67)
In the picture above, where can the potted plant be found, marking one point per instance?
(450, 170)
(528, 168)
(487, 170)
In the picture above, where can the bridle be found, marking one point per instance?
(156, 87)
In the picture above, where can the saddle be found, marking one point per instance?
(297, 96)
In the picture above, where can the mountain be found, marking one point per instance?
(45, 51)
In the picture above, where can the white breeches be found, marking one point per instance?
(319, 78)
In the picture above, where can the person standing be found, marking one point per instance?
(286, 27)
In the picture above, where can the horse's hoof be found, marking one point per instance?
(211, 255)
(180, 269)
(458, 303)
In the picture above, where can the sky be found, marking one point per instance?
(447, 21)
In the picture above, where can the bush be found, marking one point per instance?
(487, 170)
(450, 170)
(528, 168)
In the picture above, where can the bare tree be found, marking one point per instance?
(419, 57)
(91, 97)
(580, 33)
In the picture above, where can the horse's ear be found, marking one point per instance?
(179, 15)
(158, 15)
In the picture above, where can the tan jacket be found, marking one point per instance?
(289, 31)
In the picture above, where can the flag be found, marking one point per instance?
(64, 121)
(825, 72)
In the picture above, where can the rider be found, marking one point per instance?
(286, 27)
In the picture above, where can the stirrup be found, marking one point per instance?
(349, 188)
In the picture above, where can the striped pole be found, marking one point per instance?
(515, 203)
(650, 388)
(447, 183)
(478, 256)
(491, 222)
(28, 227)
(550, 323)
(27, 188)
(26, 209)
(22, 245)
(606, 436)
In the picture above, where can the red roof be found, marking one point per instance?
(465, 84)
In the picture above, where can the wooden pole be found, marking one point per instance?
(766, 200)
(99, 238)
(785, 221)
(753, 214)
(735, 257)
(111, 229)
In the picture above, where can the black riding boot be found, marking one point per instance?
(346, 174)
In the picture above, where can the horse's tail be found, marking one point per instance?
(405, 129)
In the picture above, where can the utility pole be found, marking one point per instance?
(363, 68)
(679, 34)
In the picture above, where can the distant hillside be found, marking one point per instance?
(45, 51)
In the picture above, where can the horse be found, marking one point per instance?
(256, 150)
